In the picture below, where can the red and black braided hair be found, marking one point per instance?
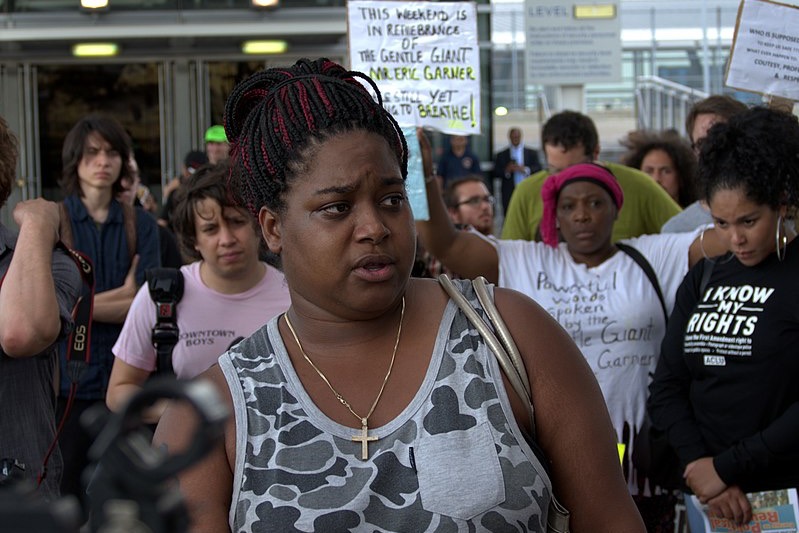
(277, 117)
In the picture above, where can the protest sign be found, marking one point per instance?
(765, 50)
(424, 57)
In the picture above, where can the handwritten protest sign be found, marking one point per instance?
(424, 57)
(774, 510)
(765, 50)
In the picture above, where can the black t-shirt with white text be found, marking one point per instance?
(727, 382)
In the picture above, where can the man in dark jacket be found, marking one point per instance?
(513, 164)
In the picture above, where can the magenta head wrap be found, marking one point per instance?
(553, 185)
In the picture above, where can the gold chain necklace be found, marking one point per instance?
(363, 437)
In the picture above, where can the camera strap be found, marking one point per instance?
(79, 338)
(166, 290)
(78, 343)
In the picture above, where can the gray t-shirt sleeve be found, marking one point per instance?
(68, 284)
(692, 217)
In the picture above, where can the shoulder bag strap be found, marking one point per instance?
(493, 343)
(641, 261)
(501, 329)
(557, 516)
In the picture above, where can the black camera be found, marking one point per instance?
(131, 487)
(23, 510)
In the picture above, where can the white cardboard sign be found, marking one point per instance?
(765, 51)
(424, 57)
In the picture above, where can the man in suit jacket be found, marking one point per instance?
(513, 164)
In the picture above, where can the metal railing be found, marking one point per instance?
(663, 104)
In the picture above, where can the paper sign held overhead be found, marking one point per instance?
(424, 57)
(765, 51)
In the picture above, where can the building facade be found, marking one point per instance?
(177, 60)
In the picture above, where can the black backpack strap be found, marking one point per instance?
(166, 290)
(641, 261)
(65, 226)
(707, 271)
(129, 221)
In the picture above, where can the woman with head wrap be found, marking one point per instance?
(598, 290)
(373, 404)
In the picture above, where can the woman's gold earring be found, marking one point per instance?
(783, 237)
(702, 244)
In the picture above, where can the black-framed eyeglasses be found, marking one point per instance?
(475, 201)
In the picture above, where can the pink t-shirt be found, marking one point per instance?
(208, 321)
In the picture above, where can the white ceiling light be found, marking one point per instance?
(94, 4)
(264, 47)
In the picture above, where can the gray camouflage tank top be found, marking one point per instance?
(453, 460)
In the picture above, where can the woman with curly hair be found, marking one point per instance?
(724, 390)
(666, 157)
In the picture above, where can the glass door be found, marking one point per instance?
(129, 93)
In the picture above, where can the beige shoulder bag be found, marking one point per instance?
(511, 362)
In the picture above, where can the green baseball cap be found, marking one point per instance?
(215, 134)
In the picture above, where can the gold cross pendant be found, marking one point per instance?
(364, 439)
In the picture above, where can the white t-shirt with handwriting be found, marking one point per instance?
(611, 311)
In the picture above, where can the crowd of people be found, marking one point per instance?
(657, 289)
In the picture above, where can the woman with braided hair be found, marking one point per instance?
(725, 386)
(372, 404)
